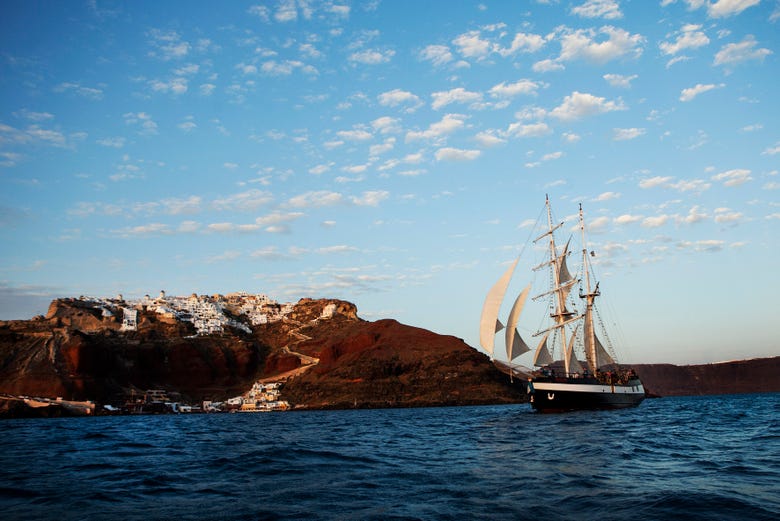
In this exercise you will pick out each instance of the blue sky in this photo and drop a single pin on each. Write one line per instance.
(390, 153)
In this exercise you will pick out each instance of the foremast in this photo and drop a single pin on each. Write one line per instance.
(561, 284)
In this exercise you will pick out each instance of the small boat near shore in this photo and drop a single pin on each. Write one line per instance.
(572, 327)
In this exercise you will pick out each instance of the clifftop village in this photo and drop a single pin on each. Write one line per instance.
(208, 316)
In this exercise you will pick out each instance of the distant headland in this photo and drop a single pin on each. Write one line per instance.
(247, 352)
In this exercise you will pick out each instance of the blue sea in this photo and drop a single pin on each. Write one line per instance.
(693, 458)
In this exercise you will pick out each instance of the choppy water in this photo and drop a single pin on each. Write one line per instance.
(693, 458)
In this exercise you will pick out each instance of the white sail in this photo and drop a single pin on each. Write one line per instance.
(602, 357)
(572, 364)
(512, 336)
(563, 270)
(542, 356)
(489, 324)
(518, 347)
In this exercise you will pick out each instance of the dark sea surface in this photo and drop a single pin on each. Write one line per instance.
(708, 458)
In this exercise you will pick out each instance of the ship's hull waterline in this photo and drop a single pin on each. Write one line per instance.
(564, 396)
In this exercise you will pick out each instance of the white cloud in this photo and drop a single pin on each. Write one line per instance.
(285, 68)
(618, 80)
(655, 222)
(736, 53)
(286, 11)
(386, 125)
(694, 216)
(247, 201)
(471, 45)
(627, 219)
(398, 97)
(448, 124)
(370, 198)
(354, 135)
(522, 42)
(371, 56)
(689, 37)
(772, 150)
(456, 154)
(143, 120)
(321, 169)
(589, 45)
(489, 138)
(207, 89)
(547, 66)
(727, 216)
(607, 196)
(34, 116)
(457, 95)
(504, 90)
(624, 134)
(654, 182)
(113, 142)
(609, 9)
(316, 199)
(578, 105)
(528, 130)
(382, 148)
(437, 54)
(167, 45)
(726, 8)
(690, 93)
(733, 177)
(86, 92)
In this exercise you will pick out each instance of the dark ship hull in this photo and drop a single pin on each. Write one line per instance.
(551, 394)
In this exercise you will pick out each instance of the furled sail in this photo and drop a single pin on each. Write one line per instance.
(542, 356)
(489, 324)
(593, 345)
(515, 346)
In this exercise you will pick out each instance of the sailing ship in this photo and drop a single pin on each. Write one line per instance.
(569, 329)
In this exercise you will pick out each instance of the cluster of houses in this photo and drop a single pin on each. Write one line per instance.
(262, 397)
(206, 313)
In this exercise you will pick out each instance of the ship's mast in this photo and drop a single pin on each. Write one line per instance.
(561, 314)
(590, 297)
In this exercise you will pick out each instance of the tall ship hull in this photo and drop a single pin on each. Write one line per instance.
(574, 356)
(573, 394)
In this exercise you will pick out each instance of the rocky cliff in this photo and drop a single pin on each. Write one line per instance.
(744, 376)
(327, 355)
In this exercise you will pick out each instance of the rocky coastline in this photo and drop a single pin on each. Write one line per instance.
(318, 353)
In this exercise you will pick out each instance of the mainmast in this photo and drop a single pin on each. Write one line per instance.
(590, 297)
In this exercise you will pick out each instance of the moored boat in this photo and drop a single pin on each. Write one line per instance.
(565, 383)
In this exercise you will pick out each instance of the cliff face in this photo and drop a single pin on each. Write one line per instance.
(745, 376)
(77, 353)
(385, 364)
(328, 356)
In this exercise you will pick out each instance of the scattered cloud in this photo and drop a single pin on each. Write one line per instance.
(599, 45)
(625, 134)
(456, 154)
(608, 9)
(618, 80)
(457, 95)
(578, 105)
(690, 93)
(733, 177)
(398, 97)
(737, 53)
(690, 36)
